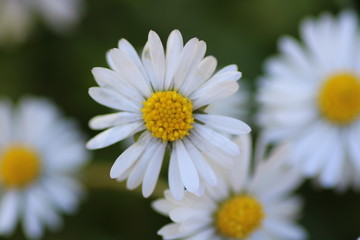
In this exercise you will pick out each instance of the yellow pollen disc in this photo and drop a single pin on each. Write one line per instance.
(339, 98)
(168, 115)
(239, 216)
(19, 166)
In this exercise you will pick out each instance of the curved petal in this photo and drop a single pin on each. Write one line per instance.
(113, 135)
(153, 170)
(9, 211)
(110, 120)
(224, 124)
(110, 79)
(175, 184)
(201, 164)
(217, 139)
(174, 47)
(129, 156)
(188, 172)
(136, 175)
(112, 99)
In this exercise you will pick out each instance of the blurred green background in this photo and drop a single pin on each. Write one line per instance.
(244, 32)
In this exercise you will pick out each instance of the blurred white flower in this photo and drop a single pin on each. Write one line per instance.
(310, 95)
(18, 16)
(40, 155)
(161, 96)
(244, 205)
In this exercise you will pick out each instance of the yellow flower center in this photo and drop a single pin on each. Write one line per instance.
(239, 216)
(339, 98)
(19, 166)
(168, 115)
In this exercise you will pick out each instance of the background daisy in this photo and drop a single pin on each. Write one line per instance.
(245, 205)
(310, 94)
(18, 16)
(40, 155)
(161, 96)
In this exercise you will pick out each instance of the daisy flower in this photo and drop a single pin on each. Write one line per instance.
(17, 16)
(40, 153)
(160, 97)
(310, 95)
(244, 205)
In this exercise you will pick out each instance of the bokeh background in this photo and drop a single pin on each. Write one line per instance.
(244, 32)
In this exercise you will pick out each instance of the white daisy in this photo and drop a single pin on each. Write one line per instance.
(160, 96)
(40, 153)
(310, 95)
(255, 206)
(17, 17)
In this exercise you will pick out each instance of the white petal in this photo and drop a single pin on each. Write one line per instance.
(204, 234)
(163, 206)
(112, 99)
(284, 230)
(316, 161)
(229, 68)
(353, 145)
(109, 79)
(127, 48)
(188, 173)
(35, 118)
(157, 59)
(211, 151)
(171, 231)
(201, 74)
(187, 213)
(205, 96)
(137, 173)
(217, 139)
(240, 173)
(113, 119)
(128, 69)
(192, 226)
(260, 234)
(174, 47)
(291, 48)
(113, 135)
(201, 164)
(307, 140)
(193, 76)
(9, 212)
(287, 208)
(191, 54)
(331, 174)
(153, 170)
(175, 184)
(31, 220)
(63, 192)
(218, 79)
(129, 156)
(224, 124)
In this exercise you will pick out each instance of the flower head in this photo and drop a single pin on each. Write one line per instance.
(161, 96)
(40, 154)
(310, 95)
(244, 205)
